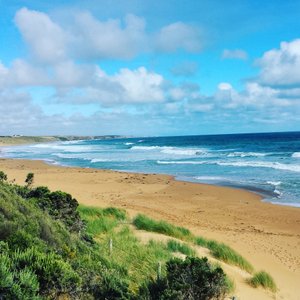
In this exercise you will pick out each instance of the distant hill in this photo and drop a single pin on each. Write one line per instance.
(19, 139)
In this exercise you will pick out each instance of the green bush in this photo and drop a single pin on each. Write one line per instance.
(3, 176)
(193, 278)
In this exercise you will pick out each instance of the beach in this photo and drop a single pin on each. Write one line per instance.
(267, 235)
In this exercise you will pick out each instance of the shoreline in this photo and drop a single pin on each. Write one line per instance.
(252, 189)
(267, 235)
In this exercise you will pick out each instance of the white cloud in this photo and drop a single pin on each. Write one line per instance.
(21, 73)
(281, 67)
(179, 36)
(89, 38)
(109, 39)
(69, 74)
(234, 54)
(140, 85)
(46, 39)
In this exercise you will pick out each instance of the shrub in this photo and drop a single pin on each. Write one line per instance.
(3, 176)
(193, 278)
(29, 179)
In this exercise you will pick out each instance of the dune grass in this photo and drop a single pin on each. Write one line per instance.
(89, 212)
(142, 222)
(264, 280)
(140, 261)
(228, 255)
(183, 248)
(101, 220)
(218, 250)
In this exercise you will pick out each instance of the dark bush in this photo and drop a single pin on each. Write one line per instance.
(193, 278)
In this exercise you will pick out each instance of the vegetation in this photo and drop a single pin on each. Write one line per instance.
(228, 255)
(218, 250)
(50, 247)
(183, 248)
(144, 223)
(3, 176)
(29, 179)
(264, 280)
(193, 278)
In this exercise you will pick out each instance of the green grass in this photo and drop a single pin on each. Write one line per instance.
(183, 248)
(144, 223)
(101, 220)
(79, 263)
(224, 253)
(90, 212)
(218, 250)
(228, 255)
(264, 280)
(128, 253)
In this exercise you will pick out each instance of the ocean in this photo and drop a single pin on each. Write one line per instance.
(266, 163)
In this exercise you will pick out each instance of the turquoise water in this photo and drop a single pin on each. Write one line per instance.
(268, 164)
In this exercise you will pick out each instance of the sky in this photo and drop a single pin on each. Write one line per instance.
(149, 68)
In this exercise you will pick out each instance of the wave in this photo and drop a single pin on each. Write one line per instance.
(178, 162)
(70, 156)
(260, 164)
(254, 164)
(147, 148)
(188, 152)
(275, 183)
(247, 154)
(172, 150)
(95, 160)
(212, 178)
(296, 155)
(128, 144)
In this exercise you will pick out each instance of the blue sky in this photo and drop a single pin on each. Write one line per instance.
(134, 67)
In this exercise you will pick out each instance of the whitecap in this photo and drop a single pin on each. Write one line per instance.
(259, 164)
(177, 162)
(296, 155)
(247, 154)
(275, 183)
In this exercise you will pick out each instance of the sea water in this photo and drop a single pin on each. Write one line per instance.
(266, 163)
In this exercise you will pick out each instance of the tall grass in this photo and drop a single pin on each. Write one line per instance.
(144, 223)
(90, 212)
(128, 253)
(183, 248)
(264, 280)
(228, 255)
(218, 250)
(101, 220)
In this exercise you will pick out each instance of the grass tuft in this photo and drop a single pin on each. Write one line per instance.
(90, 212)
(144, 223)
(228, 255)
(264, 280)
(183, 248)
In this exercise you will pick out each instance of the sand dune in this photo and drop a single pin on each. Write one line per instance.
(267, 235)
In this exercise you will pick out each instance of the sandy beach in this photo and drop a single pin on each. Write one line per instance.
(267, 235)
